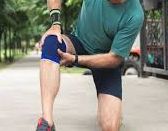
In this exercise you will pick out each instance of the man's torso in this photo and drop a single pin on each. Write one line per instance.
(100, 20)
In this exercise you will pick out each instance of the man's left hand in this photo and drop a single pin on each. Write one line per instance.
(66, 58)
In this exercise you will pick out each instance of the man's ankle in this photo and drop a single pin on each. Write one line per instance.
(49, 120)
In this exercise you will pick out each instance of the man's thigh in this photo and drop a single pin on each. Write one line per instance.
(74, 45)
(69, 44)
(108, 81)
(109, 110)
(109, 90)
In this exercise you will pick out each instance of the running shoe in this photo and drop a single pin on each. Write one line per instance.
(44, 126)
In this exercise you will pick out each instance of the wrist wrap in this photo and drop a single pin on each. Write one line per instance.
(55, 15)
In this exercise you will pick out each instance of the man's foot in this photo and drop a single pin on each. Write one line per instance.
(44, 126)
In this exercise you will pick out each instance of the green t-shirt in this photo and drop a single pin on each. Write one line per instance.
(103, 26)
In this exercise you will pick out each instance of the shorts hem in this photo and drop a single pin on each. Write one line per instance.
(117, 96)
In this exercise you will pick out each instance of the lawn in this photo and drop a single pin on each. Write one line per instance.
(4, 64)
(73, 70)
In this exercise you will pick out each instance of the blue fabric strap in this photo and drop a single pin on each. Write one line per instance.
(49, 49)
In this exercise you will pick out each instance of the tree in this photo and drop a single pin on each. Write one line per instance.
(26, 20)
(70, 11)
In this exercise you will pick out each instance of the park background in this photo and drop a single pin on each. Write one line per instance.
(22, 22)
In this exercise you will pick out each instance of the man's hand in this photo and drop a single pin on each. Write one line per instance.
(54, 30)
(66, 58)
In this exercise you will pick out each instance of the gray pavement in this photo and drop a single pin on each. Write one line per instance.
(145, 101)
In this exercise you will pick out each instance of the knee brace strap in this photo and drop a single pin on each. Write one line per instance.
(49, 49)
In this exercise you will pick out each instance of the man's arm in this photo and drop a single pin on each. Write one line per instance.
(54, 4)
(54, 29)
(107, 60)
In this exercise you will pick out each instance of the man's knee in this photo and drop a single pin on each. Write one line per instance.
(109, 124)
(49, 49)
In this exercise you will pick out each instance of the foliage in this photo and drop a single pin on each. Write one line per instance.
(27, 20)
(31, 17)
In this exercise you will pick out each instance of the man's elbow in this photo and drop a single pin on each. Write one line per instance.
(116, 60)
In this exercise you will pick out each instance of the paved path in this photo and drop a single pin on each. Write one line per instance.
(145, 104)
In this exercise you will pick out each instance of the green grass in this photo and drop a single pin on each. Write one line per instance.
(3, 65)
(6, 64)
(73, 70)
(19, 56)
(8, 53)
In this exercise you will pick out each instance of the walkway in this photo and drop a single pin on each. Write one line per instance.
(145, 102)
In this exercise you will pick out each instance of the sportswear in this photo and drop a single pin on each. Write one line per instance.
(103, 26)
(44, 126)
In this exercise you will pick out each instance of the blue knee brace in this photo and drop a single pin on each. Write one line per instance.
(49, 49)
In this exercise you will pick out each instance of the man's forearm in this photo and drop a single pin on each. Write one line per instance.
(54, 4)
(108, 60)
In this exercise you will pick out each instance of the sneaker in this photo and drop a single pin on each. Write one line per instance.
(44, 126)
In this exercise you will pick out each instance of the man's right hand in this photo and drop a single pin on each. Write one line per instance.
(54, 30)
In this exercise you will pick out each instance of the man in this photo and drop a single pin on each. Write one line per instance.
(105, 32)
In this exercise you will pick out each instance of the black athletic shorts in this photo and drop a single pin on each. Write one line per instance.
(107, 81)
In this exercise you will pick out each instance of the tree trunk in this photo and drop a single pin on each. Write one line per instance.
(5, 45)
(27, 45)
(14, 44)
(65, 28)
(10, 45)
(0, 47)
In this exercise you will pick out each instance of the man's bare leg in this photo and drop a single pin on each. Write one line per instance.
(50, 82)
(109, 112)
